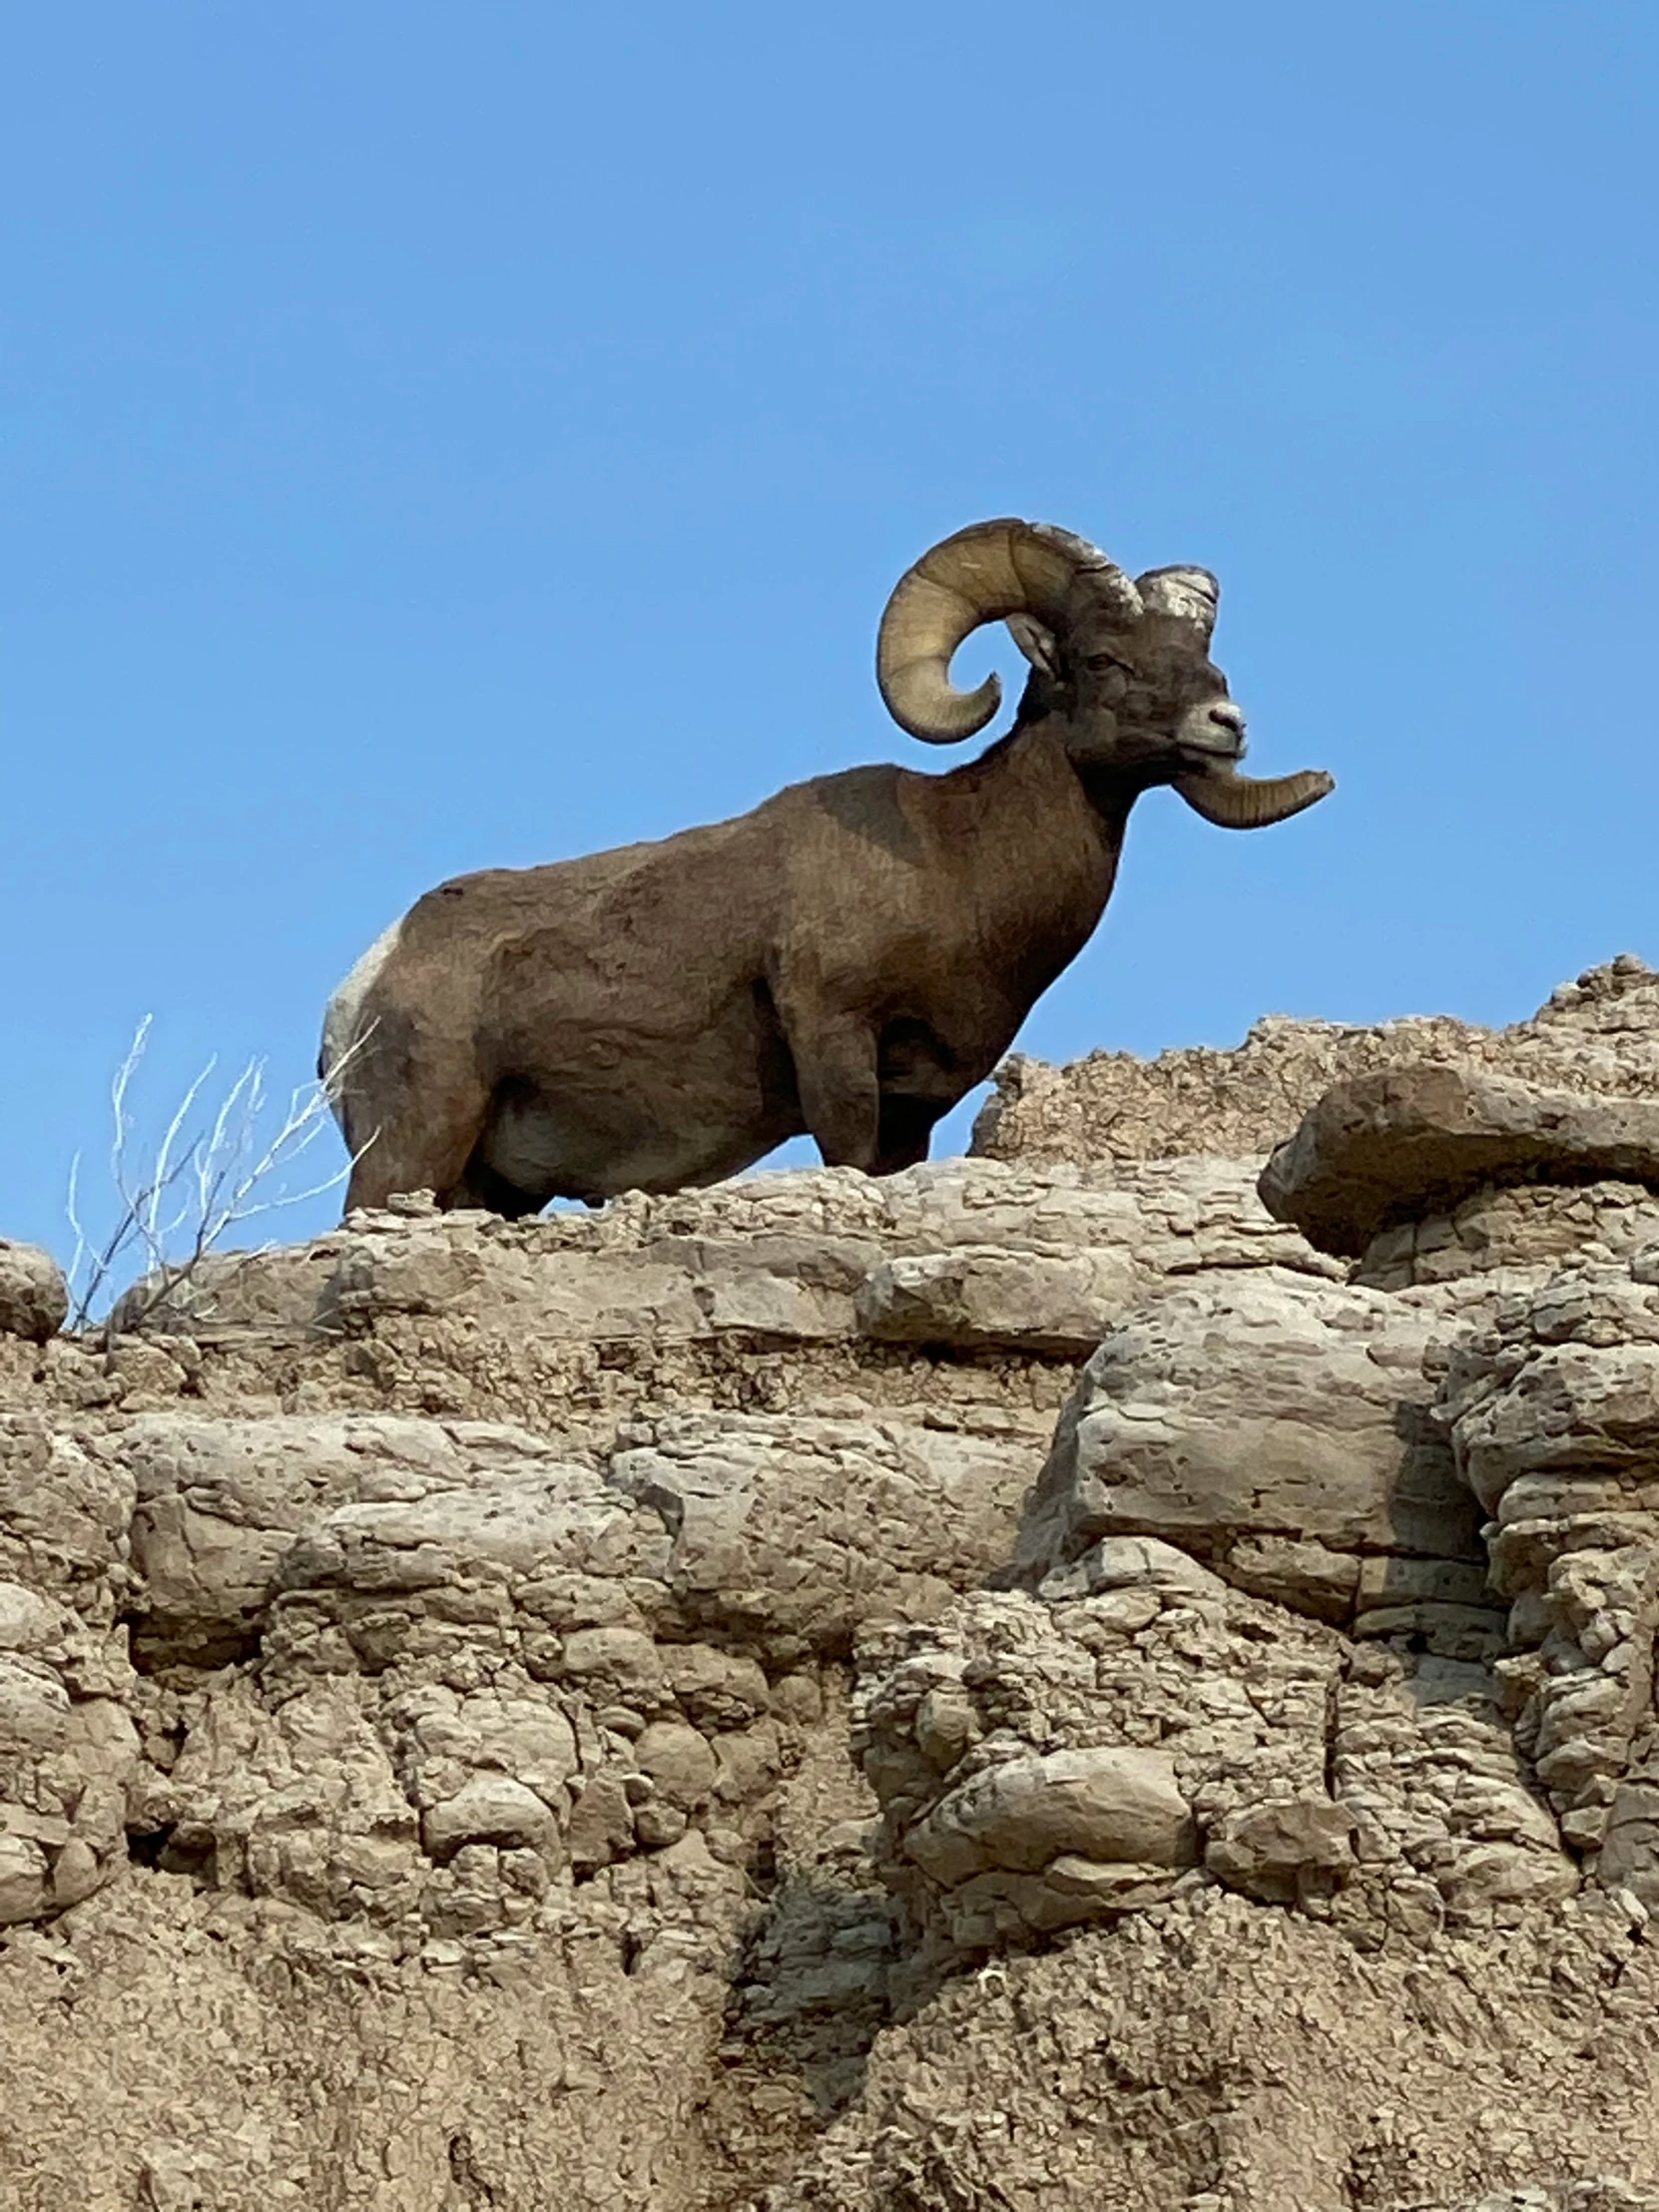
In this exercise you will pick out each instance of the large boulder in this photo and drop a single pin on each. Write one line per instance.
(1414, 1141)
(1278, 1426)
(34, 1296)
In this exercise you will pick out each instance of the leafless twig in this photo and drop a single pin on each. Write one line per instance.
(211, 1172)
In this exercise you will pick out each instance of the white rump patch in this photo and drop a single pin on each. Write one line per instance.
(341, 1016)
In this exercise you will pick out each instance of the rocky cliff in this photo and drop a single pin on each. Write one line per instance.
(1035, 1682)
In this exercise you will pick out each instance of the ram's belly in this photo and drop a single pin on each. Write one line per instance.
(599, 1110)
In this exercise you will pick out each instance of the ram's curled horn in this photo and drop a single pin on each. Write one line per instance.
(979, 575)
(1234, 802)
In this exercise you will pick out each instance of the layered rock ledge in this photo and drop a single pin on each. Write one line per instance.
(1027, 1683)
(1599, 1035)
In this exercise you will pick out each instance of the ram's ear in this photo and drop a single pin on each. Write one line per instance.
(1036, 641)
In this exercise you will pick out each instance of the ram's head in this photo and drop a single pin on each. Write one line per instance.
(1120, 665)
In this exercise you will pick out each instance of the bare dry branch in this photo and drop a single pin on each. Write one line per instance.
(223, 1170)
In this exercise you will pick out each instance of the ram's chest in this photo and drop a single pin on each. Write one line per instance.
(1038, 906)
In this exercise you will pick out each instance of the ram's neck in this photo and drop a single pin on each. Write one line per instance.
(1041, 846)
(1041, 768)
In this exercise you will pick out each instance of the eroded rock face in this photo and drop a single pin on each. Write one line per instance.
(1409, 1143)
(1517, 1228)
(1554, 1414)
(68, 1754)
(472, 1668)
(1218, 2052)
(826, 1265)
(1599, 1035)
(69, 1750)
(1380, 1785)
(1278, 1428)
(429, 1664)
(790, 1533)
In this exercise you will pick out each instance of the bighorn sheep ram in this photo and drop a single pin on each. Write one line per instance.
(848, 960)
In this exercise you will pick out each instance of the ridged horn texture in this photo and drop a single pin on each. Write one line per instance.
(1186, 595)
(981, 574)
(1234, 802)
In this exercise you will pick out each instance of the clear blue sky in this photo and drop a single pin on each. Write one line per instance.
(444, 438)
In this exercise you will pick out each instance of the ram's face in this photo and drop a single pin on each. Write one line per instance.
(1134, 685)
(1122, 672)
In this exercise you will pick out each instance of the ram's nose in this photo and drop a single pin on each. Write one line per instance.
(1228, 723)
(1215, 732)
(1212, 730)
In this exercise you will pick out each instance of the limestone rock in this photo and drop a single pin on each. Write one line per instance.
(229, 1512)
(1381, 1784)
(1106, 1802)
(1553, 1410)
(1599, 1035)
(1132, 1563)
(506, 1598)
(271, 1294)
(1407, 1143)
(1527, 1227)
(66, 1508)
(69, 1754)
(792, 1534)
(980, 1295)
(1310, 1577)
(490, 1809)
(1217, 2053)
(34, 1297)
(970, 1254)
(1285, 1850)
(1009, 1824)
(1594, 2194)
(1256, 1410)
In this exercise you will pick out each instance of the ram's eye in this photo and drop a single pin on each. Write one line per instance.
(1100, 661)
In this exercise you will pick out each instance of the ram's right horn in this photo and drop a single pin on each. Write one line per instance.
(980, 574)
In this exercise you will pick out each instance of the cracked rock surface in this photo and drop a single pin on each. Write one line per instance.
(1408, 1142)
(1021, 1685)
(1599, 1035)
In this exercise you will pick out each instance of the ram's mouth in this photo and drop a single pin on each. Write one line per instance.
(1225, 745)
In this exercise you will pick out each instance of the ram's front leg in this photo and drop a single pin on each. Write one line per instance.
(412, 1107)
(841, 1099)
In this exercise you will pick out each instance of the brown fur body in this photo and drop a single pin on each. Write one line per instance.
(845, 961)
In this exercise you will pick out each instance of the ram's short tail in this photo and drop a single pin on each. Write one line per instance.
(342, 1023)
